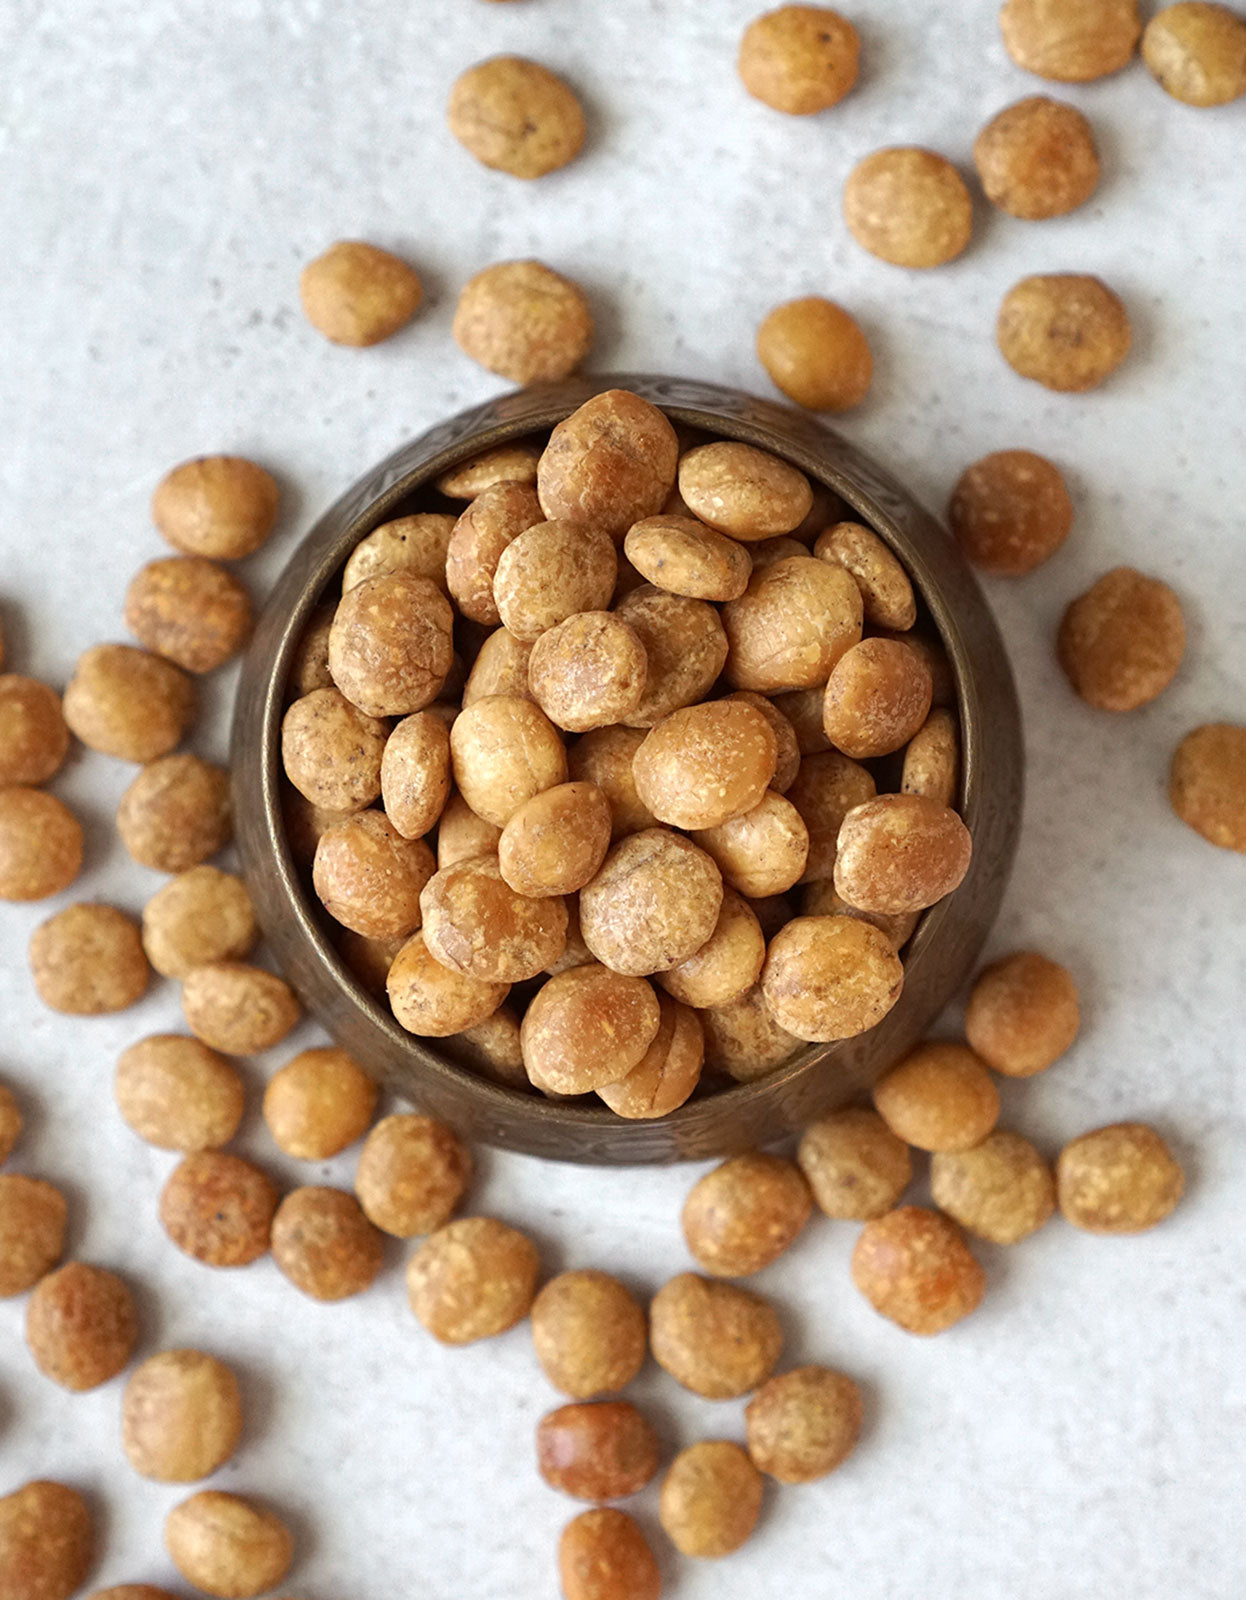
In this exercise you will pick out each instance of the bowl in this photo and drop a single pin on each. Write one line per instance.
(938, 958)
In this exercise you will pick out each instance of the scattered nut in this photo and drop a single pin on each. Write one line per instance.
(1010, 512)
(589, 1333)
(318, 1104)
(88, 960)
(40, 845)
(524, 321)
(744, 1214)
(238, 1009)
(597, 1450)
(516, 116)
(1207, 783)
(177, 1094)
(603, 1555)
(938, 1097)
(1118, 1179)
(855, 1166)
(189, 610)
(1037, 159)
(1073, 41)
(711, 1499)
(472, 1279)
(1197, 52)
(799, 59)
(229, 1547)
(804, 1423)
(32, 1231)
(1121, 642)
(128, 703)
(1023, 1014)
(908, 206)
(10, 1122)
(200, 916)
(356, 294)
(1065, 331)
(81, 1326)
(669, 1070)
(34, 739)
(176, 813)
(413, 1172)
(914, 1266)
(181, 1416)
(221, 507)
(1002, 1190)
(47, 1542)
(714, 1338)
(219, 1209)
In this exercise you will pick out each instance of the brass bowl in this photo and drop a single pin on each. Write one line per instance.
(938, 958)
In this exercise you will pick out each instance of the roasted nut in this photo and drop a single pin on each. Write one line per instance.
(1037, 158)
(1002, 1189)
(1023, 1014)
(431, 1001)
(763, 852)
(830, 977)
(654, 903)
(900, 852)
(176, 813)
(804, 1423)
(743, 1039)
(505, 750)
(177, 1094)
(704, 764)
(47, 1542)
(181, 1416)
(603, 757)
(855, 1166)
(669, 1070)
(603, 1555)
(493, 1050)
(356, 294)
(799, 59)
(877, 697)
(589, 1333)
(238, 1009)
(1118, 1179)
(744, 1214)
(417, 544)
(597, 1450)
(914, 1266)
(413, 1172)
(550, 572)
(190, 611)
(908, 206)
(331, 751)
(501, 667)
(714, 1338)
(516, 116)
(461, 834)
(1207, 783)
(742, 491)
(320, 1102)
(931, 650)
(40, 845)
(787, 764)
(222, 507)
(1121, 642)
(370, 878)
(81, 1326)
(1065, 331)
(415, 774)
(791, 625)
(1072, 41)
(227, 1546)
(685, 649)
(711, 1499)
(128, 703)
(609, 464)
(683, 556)
(827, 787)
(34, 739)
(589, 671)
(932, 759)
(1010, 512)
(727, 965)
(476, 924)
(524, 321)
(1197, 52)
(886, 593)
(32, 1231)
(323, 1243)
(219, 1209)
(556, 842)
(938, 1097)
(506, 463)
(499, 514)
(88, 960)
(390, 646)
(10, 1122)
(588, 1027)
(472, 1279)
(817, 353)
(200, 916)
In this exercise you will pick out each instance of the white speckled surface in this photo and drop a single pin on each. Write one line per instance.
(165, 168)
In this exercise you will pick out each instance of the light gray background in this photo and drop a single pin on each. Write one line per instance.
(165, 169)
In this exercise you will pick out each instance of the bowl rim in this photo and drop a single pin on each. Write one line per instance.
(938, 956)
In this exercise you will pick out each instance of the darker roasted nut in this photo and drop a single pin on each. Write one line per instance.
(597, 1450)
(370, 878)
(10, 1122)
(714, 1338)
(609, 464)
(88, 960)
(32, 1231)
(219, 1209)
(900, 852)
(323, 1243)
(476, 924)
(877, 697)
(332, 751)
(1065, 331)
(744, 1214)
(128, 703)
(1010, 512)
(190, 611)
(391, 645)
(908, 206)
(221, 507)
(855, 1166)
(176, 813)
(804, 1423)
(524, 321)
(356, 294)
(1118, 1179)
(516, 116)
(603, 1555)
(1001, 1190)
(589, 1333)
(81, 1326)
(40, 845)
(938, 1097)
(1207, 783)
(1037, 158)
(238, 1009)
(914, 1266)
(1121, 642)
(588, 1027)
(472, 1279)
(654, 903)
(413, 1172)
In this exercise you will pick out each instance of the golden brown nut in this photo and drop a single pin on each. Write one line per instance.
(222, 507)
(499, 514)
(501, 667)
(1037, 158)
(609, 464)
(356, 294)
(763, 852)
(416, 544)
(1066, 331)
(413, 1172)
(938, 1097)
(415, 774)
(431, 1001)
(654, 903)
(703, 764)
(189, 610)
(714, 1338)
(1118, 1179)
(1010, 512)
(597, 1450)
(516, 116)
(742, 491)
(237, 1008)
(683, 556)
(476, 924)
(34, 739)
(914, 1266)
(787, 763)
(323, 1243)
(320, 1102)
(1121, 642)
(391, 645)
(177, 1094)
(176, 813)
(47, 1541)
(1002, 1190)
(791, 625)
(711, 1499)
(1072, 41)
(200, 916)
(556, 842)
(743, 1039)
(588, 1027)
(799, 59)
(40, 845)
(589, 1333)
(767, 551)
(908, 206)
(493, 1050)
(589, 671)
(1197, 52)
(744, 1214)
(827, 787)
(181, 1416)
(855, 1166)
(219, 1209)
(461, 834)
(472, 1279)
(930, 648)
(685, 649)
(132, 1591)
(804, 1423)
(727, 965)
(932, 759)
(669, 1070)
(603, 757)
(900, 852)
(603, 1555)
(830, 977)
(370, 878)
(128, 703)
(817, 353)
(886, 593)
(226, 1546)
(506, 463)
(524, 321)
(550, 572)
(81, 1326)
(32, 1231)
(505, 750)
(877, 697)
(1023, 1014)
(10, 1122)
(88, 960)
(332, 751)
(1207, 783)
